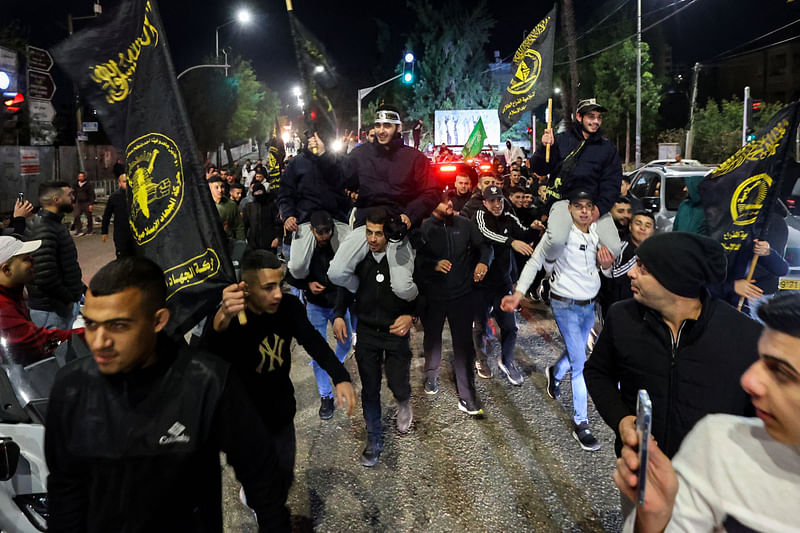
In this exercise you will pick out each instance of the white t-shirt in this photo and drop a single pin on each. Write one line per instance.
(731, 473)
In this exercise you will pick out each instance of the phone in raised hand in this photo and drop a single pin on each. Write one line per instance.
(644, 420)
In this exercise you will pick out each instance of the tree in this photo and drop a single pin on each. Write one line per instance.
(615, 88)
(718, 128)
(210, 100)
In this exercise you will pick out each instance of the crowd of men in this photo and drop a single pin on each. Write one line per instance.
(370, 242)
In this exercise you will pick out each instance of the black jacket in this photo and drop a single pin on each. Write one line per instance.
(398, 178)
(85, 194)
(696, 375)
(459, 201)
(139, 451)
(457, 240)
(262, 222)
(117, 207)
(333, 296)
(598, 170)
(500, 232)
(472, 206)
(376, 306)
(56, 284)
(305, 188)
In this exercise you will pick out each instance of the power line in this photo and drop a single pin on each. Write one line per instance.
(590, 30)
(754, 40)
(726, 58)
(587, 56)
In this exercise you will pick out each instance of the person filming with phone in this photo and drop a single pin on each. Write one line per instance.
(686, 348)
(731, 473)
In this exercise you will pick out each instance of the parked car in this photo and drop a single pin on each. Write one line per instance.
(661, 188)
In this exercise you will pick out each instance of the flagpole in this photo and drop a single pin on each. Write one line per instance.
(749, 278)
(549, 127)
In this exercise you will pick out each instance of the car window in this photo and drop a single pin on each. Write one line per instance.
(674, 193)
(646, 185)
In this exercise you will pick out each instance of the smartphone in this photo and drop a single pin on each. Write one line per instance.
(644, 420)
(21, 196)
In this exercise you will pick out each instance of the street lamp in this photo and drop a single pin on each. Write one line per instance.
(243, 16)
(297, 91)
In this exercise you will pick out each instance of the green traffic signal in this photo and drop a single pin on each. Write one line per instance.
(408, 68)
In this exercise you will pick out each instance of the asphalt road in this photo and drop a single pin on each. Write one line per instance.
(518, 469)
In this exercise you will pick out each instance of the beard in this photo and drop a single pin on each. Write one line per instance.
(66, 208)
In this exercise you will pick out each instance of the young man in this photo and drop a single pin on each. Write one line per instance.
(322, 298)
(580, 159)
(227, 209)
(84, 202)
(24, 342)
(261, 351)
(391, 175)
(670, 339)
(56, 288)
(117, 208)
(621, 213)
(448, 248)
(383, 325)
(732, 473)
(475, 203)
(134, 433)
(574, 285)
(462, 192)
(505, 233)
(262, 223)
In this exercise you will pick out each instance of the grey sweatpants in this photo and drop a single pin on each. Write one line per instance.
(353, 249)
(303, 244)
(559, 222)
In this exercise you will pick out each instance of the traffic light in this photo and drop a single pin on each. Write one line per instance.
(13, 102)
(753, 108)
(408, 68)
(529, 130)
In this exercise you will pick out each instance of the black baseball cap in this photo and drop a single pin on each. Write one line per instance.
(579, 194)
(321, 221)
(492, 193)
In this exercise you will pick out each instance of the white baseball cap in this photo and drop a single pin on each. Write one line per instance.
(12, 247)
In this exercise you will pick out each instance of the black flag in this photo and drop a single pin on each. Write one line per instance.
(739, 194)
(123, 69)
(532, 81)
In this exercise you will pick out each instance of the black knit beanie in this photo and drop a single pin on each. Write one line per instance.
(684, 263)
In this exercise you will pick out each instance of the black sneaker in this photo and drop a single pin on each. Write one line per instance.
(543, 292)
(470, 407)
(326, 408)
(553, 390)
(483, 369)
(512, 372)
(431, 386)
(371, 453)
(584, 436)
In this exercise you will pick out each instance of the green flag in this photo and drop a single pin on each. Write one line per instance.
(475, 141)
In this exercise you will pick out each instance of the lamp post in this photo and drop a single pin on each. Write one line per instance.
(364, 92)
(638, 82)
(243, 16)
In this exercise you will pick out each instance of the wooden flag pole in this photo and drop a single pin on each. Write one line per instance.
(749, 277)
(549, 127)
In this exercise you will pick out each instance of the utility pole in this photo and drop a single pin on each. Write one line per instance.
(690, 134)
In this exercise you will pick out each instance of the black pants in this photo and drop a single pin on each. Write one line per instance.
(371, 348)
(487, 303)
(82, 209)
(285, 443)
(459, 314)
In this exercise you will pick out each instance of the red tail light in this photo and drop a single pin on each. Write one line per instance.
(448, 168)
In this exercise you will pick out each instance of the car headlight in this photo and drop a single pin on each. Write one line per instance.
(34, 507)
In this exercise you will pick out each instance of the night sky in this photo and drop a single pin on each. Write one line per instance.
(699, 32)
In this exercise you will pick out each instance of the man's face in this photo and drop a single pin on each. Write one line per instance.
(581, 212)
(517, 199)
(444, 209)
(494, 206)
(81, 177)
(642, 228)
(773, 383)
(236, 194)
(64, 200)
(646, 288)
(323, 238)
(485, 181)
(624, 187)
(121, 330)
(385, 132)
(123, 181)
(621, 213)
(515, 176)
(264, 289)
(260, 177)
(376, 239)
(371, 135)
(224, 174)
(462, 184)
(590, 121)
(19, 270)
(230, 178)
(216, 191)
(527, 200)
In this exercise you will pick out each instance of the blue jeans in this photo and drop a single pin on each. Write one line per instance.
(319, 318)
(575, 323)
(51, 319)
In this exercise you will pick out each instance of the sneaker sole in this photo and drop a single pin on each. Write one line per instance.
(547, 373)
(461, 407)
(586, 448)
(432, 392)
(482, 374)
(508, 375)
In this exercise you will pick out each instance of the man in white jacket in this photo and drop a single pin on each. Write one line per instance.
(732, 473)
(574, 285)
